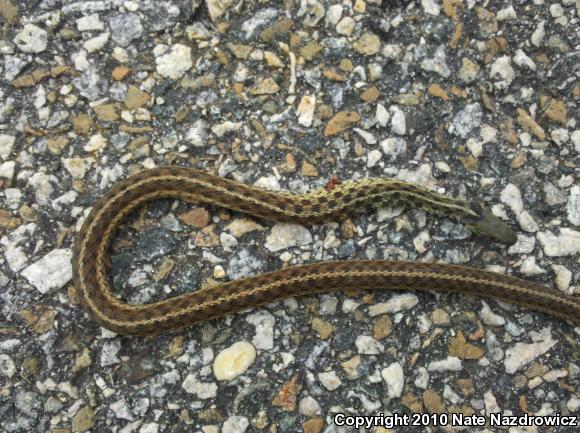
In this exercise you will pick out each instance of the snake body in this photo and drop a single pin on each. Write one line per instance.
(91, 263)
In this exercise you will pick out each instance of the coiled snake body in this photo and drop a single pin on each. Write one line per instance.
(90, 260)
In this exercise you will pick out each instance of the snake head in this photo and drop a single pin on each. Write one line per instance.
(488, 225)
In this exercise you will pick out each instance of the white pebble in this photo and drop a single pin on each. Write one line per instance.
(234, 360)
(394, 378)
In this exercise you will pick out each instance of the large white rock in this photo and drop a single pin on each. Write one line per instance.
(566, 243)
(52, 271)
(286, 235)
(394, 378)
(31, 39)
(175, 63)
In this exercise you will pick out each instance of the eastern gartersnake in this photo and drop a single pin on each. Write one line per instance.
(90, 261)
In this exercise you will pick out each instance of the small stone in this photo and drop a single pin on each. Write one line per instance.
(273, 60)
(538, 34)
(394, 378)
(287, 395)
(285, 235)
(7, 368)
(341, 122)
(310, 51)
(522, 354)
(371, 94)
(433, 401)
(333, 14)
(529, 124)
(398, 120)
(394, 148)
(373, 157)
(279, 28)
(6, 145)
(437, 91)
(573, 206)
(308, 406)
(216, 8)
(265, 87)
(452, 363)
(203, 390)
(240, 226)
(346, 26)
(234, 361)
(440, 317)
(405, 301)
(90, 23)
(107, 112)
(82, 124)
(368, 345)
(324, 329)
(197, 134)
(305, 111)
(563, 277)
(120, 72)
(175, 63)
(329, 380)
(78, 167)
(96, 142)
(567, 243)
(382, 116)
(313, 425)
(206, 237)
(466, 120)
(368, 44)
(460, 348)
(125, 28)
(489, 318)
(53, 271)
(97, 43)
(469, 70)
(31, 39)
(382, 327)
(198, 218)
(556, 111)
(502, 69)
(83, 420)
(135, 98)
(235, 424)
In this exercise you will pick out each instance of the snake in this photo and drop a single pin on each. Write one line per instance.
(91, 261)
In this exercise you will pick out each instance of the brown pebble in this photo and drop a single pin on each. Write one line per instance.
(135, 98)
(313, 425)
(198, 218)
(288, 394)
(433, 401)
(460, 348)
(371, 94)
(382, 327)
(120, 72)
(206, 237)
(341, 122)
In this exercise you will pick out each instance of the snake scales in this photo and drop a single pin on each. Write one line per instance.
(91, 264)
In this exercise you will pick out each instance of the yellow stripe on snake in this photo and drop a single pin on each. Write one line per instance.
(91, 262)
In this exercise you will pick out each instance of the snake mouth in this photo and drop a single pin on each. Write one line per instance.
(488, 225)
